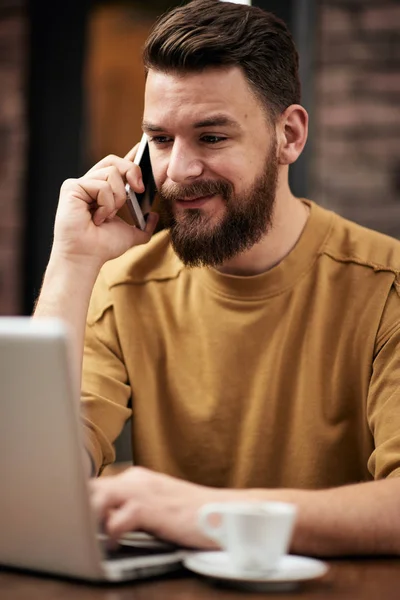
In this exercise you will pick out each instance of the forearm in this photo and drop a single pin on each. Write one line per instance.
(65, 293)
(355, 519)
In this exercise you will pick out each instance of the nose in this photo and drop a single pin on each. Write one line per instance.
(183, 164)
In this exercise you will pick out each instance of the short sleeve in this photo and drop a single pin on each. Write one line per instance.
(105, 388)
(383, 408)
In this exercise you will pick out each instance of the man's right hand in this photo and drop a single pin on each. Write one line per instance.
(86, 227)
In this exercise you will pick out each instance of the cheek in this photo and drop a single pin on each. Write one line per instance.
(239, 168)
(232, 169)
(240, 175)
(159, 172)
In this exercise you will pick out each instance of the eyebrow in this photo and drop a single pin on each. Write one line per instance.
(214, 121)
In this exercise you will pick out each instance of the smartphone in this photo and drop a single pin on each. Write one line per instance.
(139, 203)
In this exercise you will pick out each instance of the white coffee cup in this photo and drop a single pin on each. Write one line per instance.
(256, 535)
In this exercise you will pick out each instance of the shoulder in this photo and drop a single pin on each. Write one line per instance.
(349, 242)
(155, 260)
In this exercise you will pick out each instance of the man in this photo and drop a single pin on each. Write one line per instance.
(258, 336)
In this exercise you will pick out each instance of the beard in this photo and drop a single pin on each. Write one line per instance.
(197, 240)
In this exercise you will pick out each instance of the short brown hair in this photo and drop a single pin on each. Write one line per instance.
(210, 33)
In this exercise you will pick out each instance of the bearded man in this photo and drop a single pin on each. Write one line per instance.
(257, 336)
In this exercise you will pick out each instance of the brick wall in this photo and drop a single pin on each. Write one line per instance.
(356, 165)
(12, 150)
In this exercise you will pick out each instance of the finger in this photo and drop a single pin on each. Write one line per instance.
(135, 179)
(121, 164)
(132, 152)
(126, 518)
(97, 192)
(104, 500)
(101, 196)
(114, 178)
(151, 223)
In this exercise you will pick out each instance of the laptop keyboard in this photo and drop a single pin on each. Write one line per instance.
(123, 551)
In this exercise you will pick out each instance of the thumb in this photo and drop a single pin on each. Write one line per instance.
(124, 518)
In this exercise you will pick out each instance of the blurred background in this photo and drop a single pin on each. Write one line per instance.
(71, 92)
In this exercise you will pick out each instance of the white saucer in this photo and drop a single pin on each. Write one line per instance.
(290, 569)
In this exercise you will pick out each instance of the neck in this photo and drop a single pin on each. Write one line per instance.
(289, 219)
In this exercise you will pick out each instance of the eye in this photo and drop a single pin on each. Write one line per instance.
(213, 139)
(160, 140)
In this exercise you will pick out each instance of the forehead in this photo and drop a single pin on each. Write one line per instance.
(172, 97)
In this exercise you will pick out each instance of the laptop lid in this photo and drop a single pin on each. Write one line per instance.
(45, 518)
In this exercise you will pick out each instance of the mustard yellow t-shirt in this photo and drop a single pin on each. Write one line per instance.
(290, 378)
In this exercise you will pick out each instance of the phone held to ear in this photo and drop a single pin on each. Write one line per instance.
(139, 203)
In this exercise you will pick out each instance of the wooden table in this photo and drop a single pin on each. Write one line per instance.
(363, 579)
(347, 579)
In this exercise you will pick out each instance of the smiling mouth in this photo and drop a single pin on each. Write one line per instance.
(194, 202)
(194, 199)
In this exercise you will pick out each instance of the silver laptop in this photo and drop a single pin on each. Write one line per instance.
(46, 523)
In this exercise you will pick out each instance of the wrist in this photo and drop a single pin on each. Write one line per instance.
(67, 286)
(73, 265)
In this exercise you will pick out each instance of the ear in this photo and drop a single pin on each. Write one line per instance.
(292, 130)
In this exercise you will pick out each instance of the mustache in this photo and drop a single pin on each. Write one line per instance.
(207, 187)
